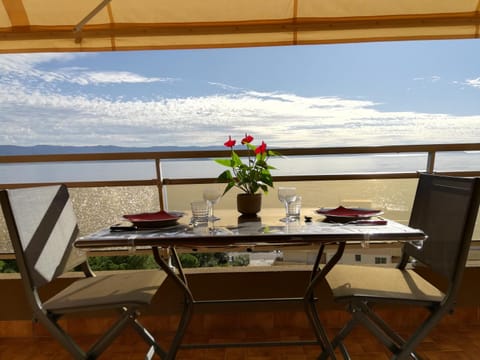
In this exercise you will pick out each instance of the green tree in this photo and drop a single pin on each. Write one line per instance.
(133, 262)
(8, 266)
(212, 259)
(189, 260)
(241, 260)
(127, 262)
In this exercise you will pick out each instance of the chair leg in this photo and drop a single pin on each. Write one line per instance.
(344, 351)
(111, 334)
(338, 340)
(362, 313)
(378, 331)
(62, 337)
(127, 317)
(401, 348)
(416, 338)
(378, 321)
(149, 339)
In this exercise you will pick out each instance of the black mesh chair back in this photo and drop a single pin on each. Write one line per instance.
(445, 208)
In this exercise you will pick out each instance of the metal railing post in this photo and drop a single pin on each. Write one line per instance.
(159, 180)
(431, 162)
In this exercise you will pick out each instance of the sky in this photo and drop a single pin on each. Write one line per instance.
(385, 93)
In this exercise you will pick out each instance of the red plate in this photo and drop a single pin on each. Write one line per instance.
(343, 214)
(152, 220)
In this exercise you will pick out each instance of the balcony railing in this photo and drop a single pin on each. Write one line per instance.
(159, 179)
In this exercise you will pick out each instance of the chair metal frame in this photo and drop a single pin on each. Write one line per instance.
(60, 211)
(361, 305)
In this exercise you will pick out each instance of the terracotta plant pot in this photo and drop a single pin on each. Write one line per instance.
(249, 204)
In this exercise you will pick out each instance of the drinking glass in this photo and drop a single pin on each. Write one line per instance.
(295, 208)
(200, 211)
(212, 196)
(287, 195)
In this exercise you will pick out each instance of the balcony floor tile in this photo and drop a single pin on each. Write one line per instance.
(445, 342)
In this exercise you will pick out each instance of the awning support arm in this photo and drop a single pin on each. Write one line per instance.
(78, 29)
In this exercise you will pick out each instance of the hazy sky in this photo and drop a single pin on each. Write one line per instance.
(353, 94)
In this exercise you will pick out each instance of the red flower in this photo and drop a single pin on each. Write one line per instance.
(252, 175)
(230, 143)
(247, 139)
(261, 149)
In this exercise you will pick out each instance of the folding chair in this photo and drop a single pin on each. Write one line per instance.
(42, 227)
(445, 208)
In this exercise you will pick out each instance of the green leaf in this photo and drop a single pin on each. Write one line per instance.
(236, 160)
(224, 162)
(228, 187)
(262, 163)
(225, 176)
(273, 153)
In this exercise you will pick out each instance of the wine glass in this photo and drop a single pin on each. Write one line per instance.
(212, 196)
(287, 195)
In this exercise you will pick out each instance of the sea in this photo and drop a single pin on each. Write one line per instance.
(96, 207)
(205, 168)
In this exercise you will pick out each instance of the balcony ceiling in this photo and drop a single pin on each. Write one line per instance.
(96, 25)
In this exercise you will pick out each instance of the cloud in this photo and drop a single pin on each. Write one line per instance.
(473, 82)
(45, 111)
(38, 118)
(223, 86)
(433, 78)
(24, 66)
(81, 77)
(22, 62)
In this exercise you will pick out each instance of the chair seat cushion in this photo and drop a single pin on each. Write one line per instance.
(377, 283)
(107, 291)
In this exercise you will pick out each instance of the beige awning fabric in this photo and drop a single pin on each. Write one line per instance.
(107, 25)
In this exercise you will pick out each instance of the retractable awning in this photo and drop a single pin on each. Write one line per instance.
(96, 25)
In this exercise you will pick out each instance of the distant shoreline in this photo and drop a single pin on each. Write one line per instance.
(58, 149)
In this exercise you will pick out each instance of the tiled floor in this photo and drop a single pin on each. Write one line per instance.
(459, 343)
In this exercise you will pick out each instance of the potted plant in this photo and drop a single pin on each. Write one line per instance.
(251, 176)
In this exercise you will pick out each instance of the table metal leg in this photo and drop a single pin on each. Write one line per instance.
(310, 300)
(181, 280)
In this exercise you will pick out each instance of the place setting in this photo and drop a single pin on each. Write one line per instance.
(158, 220)
(351, 215)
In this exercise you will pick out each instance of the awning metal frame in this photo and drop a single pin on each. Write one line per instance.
(77, 30)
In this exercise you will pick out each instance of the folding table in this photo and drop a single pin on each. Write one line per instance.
(258, 232)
